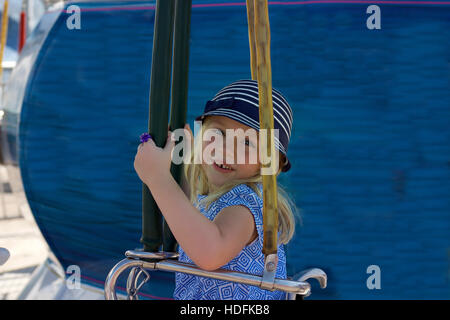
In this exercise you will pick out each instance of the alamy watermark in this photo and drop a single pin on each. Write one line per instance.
(73, 281)
(374, 20)
(374, 280)
(74, 20)
(227, 147)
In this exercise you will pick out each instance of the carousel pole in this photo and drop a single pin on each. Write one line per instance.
(251, 37)
(264, 73)
(259, 40)
(158, 114)
(178, 107)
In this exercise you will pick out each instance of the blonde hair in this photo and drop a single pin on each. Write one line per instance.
(198, 185)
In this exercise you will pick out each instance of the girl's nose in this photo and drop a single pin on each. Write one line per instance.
(230, 152)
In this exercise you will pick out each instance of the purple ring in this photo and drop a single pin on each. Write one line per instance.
(145, 136)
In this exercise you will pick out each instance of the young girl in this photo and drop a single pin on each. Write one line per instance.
(217, 217)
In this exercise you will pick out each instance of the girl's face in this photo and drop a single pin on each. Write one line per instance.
(217, 154)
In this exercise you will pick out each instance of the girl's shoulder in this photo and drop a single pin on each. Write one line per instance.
(242, 192)
(242, 195)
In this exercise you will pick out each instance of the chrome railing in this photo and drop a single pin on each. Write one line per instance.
(139, 262)
(4, 255)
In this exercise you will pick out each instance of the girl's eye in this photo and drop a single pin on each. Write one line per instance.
(218, 131)
(215, 131)
(248, 143)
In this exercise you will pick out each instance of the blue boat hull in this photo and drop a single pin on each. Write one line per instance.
(370, 147)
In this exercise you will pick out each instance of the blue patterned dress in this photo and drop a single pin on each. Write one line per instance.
(250, 260)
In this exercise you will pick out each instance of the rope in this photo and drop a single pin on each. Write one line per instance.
(4, 35)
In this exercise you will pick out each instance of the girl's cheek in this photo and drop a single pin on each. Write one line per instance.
(252, 155)
(211, 150)
(206, 155)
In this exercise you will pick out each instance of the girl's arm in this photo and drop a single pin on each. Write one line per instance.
(210, 244)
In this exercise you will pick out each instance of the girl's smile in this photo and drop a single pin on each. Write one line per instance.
(222, 168)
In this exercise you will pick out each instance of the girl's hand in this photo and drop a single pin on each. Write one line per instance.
(153, 163)
(191, 135)
(188, 128)
(184, 182)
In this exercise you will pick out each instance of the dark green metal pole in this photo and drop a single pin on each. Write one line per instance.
(158, 113)
(178, 107)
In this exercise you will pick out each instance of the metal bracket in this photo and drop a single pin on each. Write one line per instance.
(150, 256)
(270, 268)
(132, 282)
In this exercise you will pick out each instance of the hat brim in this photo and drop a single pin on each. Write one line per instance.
(287, 166)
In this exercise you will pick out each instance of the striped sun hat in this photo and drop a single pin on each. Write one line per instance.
(240, 101)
